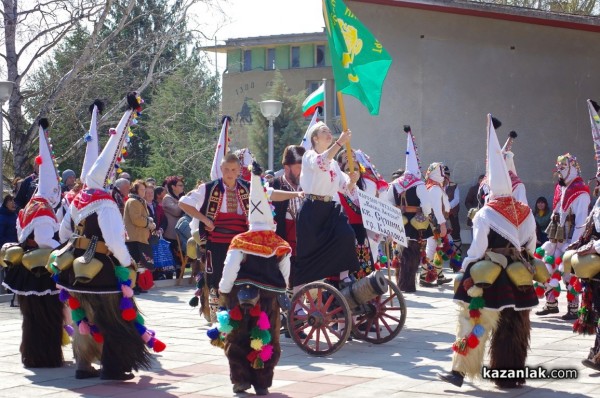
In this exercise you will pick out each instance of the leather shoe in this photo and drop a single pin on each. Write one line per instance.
(116, 376)
(261, 391)
(547, 310)
(591, 364)
(453, 377)
(569, 316)
(241, 387)
(86, 374)
(423, 283)
(443, 280)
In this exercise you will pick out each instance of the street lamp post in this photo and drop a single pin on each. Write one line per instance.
(5, 90)
(270, 110)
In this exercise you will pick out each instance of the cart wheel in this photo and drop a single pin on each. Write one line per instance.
(384, 318)
(321, 312)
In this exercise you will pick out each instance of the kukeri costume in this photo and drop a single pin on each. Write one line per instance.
(570, 209)
(98, 280)
(432, 271)
(496, 291)
(408, 192)
(256, 270)
(37, 232)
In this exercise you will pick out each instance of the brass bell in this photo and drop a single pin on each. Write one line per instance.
(63, 261)
(191, 249)
(541, 274)
(551, 230)
(587, 266)
(85, 272)
(566, 260)
(519, 274)
(485, 273)
(560, 233)
(36, 258)
(404, 220)
(11, 254)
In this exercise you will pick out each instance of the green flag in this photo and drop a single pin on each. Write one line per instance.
(360, 63)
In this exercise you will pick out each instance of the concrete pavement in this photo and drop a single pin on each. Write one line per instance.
(405, 367)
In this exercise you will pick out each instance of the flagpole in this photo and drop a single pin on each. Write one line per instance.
(325, 101)
(344, 128)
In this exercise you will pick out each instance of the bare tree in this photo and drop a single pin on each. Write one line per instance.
(32, 33)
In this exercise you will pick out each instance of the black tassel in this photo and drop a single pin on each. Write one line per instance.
(512, 134)
(194, 301)
(226, 117)
(407, 128)
(256, 169)
(132, 102)
(496, 123)
(99, 104)
(44, 123)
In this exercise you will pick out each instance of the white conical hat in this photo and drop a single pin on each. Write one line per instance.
(49, 181)
(91, 139)
(221, 150)
(412, 157)
(497, 176)
(103, 169)
(260, 216)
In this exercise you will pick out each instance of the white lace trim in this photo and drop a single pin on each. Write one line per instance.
(517, 236)
(22, 234)
(30, 292)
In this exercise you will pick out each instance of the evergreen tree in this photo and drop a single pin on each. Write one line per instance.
(289, 126)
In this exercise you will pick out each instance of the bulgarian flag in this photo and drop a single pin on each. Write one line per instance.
(317, 98)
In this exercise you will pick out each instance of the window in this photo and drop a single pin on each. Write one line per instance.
(295, 57)
(270, 59)
(247, 60)
(313, 85)
(320, 56)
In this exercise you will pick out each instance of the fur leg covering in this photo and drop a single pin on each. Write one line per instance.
(510, 343)
(213, 304)
(41, 343)
(85, 349)
(237, 343)
(123, 349)
(595, 350)
(471, 363)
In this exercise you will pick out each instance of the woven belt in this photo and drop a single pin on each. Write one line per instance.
(83, 243)
(321, 198)
(410, 209)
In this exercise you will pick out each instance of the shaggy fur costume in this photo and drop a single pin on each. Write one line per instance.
(510, 343)
(42, 331)
(470, 364)
(123, 349)
(237, 343)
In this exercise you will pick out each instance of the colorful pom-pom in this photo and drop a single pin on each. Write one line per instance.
(84, 328)
(122, 273)
(194, 301)
(236, 313)
(127, 290)
(266, 352)
(478, 331)
(159, 346)
(256, 344)
(263, 321)
(69, 329)
(472, 341)
(63, 295)
(128, 314)
(474, 313)
(213, 333)
(126, 303)
(38, 160)
(98, 338)
(255, 311)
(476, 303)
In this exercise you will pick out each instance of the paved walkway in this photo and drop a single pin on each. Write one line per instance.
(405, 367)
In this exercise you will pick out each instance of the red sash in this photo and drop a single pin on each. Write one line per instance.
(227, 225)
(290, 234)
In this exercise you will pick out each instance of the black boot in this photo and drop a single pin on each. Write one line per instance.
(549, 308)
(442, 279)
(454, 377)
(571, 314)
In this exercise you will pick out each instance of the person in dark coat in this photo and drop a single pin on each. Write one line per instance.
(8, 220)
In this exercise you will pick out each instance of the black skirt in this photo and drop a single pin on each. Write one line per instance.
(325, 242)
(21, 281)
(502, 294)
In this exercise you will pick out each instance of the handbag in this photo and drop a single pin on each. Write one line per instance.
(163, 257)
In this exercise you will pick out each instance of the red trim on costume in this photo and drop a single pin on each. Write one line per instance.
(431, 183)
(408, 180)
(575, 188)
(88, 196)
(37, 207)
(233, 223)
(260, 243)
(69, 196)
(352, 211)
(512, 210)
